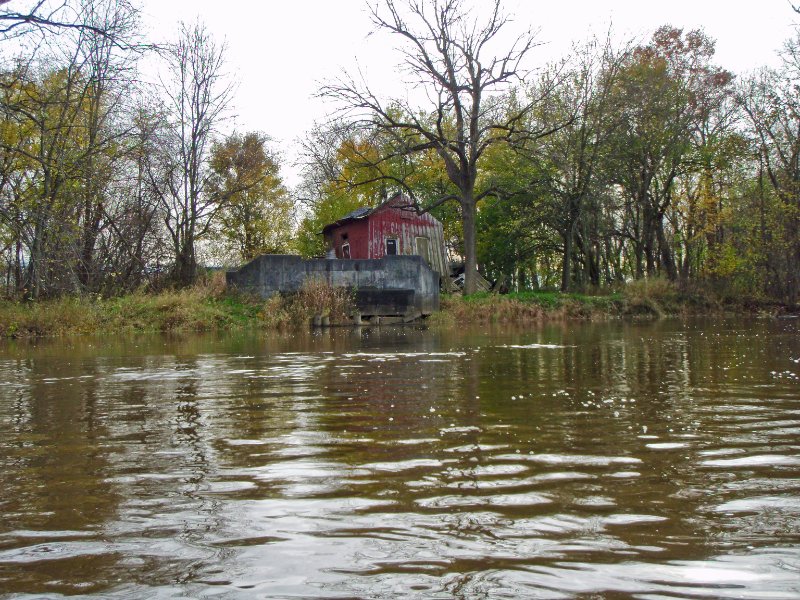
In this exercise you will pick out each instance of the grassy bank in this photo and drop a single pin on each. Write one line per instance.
(200, 308)
(646, 299)
(526, 307)
(208, 306)
(522, 307)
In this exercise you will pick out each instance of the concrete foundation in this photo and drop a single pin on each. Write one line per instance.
(393, 285)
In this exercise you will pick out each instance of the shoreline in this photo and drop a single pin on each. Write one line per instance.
(205, 308)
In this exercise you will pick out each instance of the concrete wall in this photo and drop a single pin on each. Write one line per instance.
(387, 286)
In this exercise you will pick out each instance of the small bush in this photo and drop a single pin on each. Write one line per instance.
(212, 284)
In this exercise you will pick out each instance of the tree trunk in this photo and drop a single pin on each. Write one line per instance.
(650, 250)
(91, 228)
(793, 291)
(572, 216)
(522, 280)
(468, 214)
(566, 265)
(18, 266)
(185, 269)
(667, 261)
(593, 262)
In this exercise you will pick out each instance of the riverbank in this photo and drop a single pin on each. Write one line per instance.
(209, 306)
(655, 299)
(206, 306)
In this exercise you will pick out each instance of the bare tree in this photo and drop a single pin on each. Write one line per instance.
(47, 15)
(197, 95)
(319, 159)
(65, 105)
(132, 242)
(448, 56)
(109, 81)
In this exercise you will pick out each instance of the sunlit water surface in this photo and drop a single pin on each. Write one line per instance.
(656, 460)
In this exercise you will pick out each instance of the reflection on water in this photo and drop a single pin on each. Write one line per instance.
(620, 460)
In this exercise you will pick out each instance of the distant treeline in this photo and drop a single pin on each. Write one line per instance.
(111, 180)
(623, 161)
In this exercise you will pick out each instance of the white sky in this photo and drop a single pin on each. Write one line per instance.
(280, 50)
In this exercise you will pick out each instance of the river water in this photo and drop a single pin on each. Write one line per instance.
(615, 460)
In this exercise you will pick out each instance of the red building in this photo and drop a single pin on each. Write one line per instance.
(391, 228)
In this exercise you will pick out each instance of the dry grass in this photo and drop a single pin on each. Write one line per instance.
(526, 307)
(201, 307)
(55, 317)
(316, 297)
(208, 306)
(491, 309)
(653, 297)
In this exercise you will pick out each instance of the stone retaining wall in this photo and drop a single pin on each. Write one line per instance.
(393, 285)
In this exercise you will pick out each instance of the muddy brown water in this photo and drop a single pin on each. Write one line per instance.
(618, 460)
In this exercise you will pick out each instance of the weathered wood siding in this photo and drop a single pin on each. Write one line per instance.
(391, 222)
(357, 233)
(414, 234)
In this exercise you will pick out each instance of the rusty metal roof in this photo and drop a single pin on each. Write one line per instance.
(354, 215)
(358, 213)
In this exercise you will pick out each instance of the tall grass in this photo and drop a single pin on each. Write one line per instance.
(654, 297)
(51, 317)
(209, 306)
(316, 297)
(526, 307)
(203, 307)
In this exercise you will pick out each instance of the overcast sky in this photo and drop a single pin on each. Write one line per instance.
(280, 50)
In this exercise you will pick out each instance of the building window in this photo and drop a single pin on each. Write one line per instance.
(346, 250)
(391, 247)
